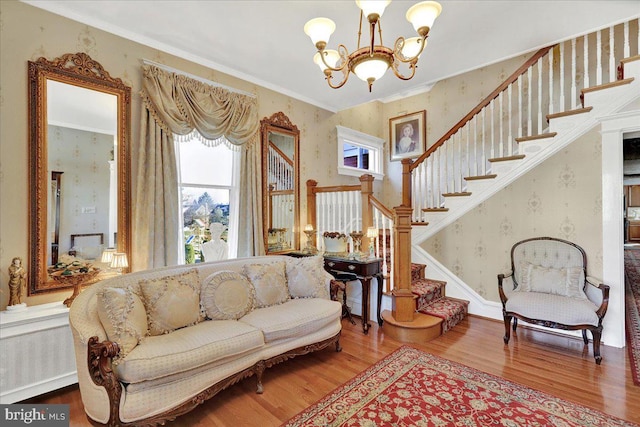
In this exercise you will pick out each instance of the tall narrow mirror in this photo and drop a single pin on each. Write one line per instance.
(281, 189)
(79, 165)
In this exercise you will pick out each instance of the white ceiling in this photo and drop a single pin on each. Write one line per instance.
(80, 108)
(263, 41)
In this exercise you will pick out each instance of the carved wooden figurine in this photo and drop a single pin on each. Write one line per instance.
(17, 279)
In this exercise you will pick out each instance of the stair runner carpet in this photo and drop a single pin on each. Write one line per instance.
(432, 301)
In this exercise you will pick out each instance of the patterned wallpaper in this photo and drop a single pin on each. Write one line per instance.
(26, 33)
(446, 103)
(560, 198)
(83, 158)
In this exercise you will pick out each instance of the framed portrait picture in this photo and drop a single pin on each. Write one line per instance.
(407, 135)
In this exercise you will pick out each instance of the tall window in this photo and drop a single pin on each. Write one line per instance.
(208, 184)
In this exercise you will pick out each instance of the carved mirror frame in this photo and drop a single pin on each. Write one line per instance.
(279, 123)
(79, 70)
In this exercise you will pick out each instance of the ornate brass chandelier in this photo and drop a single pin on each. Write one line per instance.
(371, 62)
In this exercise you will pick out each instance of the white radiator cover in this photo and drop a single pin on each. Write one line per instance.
(36, 352)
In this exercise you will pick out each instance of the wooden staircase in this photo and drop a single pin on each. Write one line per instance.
(555, 97)
(436, 313)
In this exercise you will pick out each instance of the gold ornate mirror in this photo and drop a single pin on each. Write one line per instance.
(281, 187)
(79, 125)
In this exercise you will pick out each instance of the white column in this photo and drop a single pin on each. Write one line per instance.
(612, 129)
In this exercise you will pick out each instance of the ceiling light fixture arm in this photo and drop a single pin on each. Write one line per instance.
(344, 58)
(344, 61)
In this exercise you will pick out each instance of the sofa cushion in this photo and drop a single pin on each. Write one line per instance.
(555, 308)
(270, 283)
(306, 277)
(293, 319)
(568, 282)
(188, 348)
(172, 302)
(123, 317)
(227, 295)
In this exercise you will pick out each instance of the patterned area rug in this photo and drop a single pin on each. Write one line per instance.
(413, 388)
(632, 301)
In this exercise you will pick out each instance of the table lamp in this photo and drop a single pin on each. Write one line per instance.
(119, 261)
(372, 234)
(107, 255)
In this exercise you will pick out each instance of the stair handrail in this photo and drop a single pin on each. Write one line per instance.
(484, 103)
(381, 207)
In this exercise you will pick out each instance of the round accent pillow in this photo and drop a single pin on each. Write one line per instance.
(227, 295)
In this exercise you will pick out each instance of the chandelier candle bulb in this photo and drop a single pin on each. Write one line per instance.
(371, 62)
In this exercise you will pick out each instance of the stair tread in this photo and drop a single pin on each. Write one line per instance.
(451, 310)
(478, 177)
(435, 209)
(535, 137)
(460, 194)
(569, 113)
(507, 158)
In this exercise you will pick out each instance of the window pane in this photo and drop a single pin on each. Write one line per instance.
(200, 207)
(200, 164)
(355, 156)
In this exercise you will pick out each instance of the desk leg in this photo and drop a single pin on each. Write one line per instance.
(380, 278)
(366, 286)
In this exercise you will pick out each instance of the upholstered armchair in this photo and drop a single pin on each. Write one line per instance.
(548, 286)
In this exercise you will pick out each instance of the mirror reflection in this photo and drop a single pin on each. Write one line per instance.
(82, 141)
(79, 118)
(280, 178)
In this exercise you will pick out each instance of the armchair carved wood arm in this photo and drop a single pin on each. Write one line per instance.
(548, 286)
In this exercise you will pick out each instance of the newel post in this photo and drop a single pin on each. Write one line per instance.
(311, 206)
(366, 190)
(406, 182)
(403, 306)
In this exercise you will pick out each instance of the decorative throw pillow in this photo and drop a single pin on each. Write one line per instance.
(227, 295)
(306, 277)
(270, 283)
(123, 317)
(567, 282)
(172, 302)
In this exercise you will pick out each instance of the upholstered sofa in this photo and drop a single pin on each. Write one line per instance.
(548, 286)
(153, 345)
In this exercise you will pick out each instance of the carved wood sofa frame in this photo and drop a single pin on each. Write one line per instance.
(596, 331)
(101, 354)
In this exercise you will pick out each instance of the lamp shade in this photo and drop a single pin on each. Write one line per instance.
(412, 46)
(372, 232)
(423, 14)
(308, 227)
(319, 30)
(107, 255)
(371, 69)
(330, 56)
(371, 7)
(119, 260)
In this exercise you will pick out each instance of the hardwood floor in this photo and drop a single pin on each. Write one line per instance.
(554, 364)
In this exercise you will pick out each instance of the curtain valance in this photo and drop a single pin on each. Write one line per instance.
(180, 104)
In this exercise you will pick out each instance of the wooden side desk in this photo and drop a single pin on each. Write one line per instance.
(364, 270)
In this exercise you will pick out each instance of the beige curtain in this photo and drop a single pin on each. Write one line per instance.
(177, 104)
